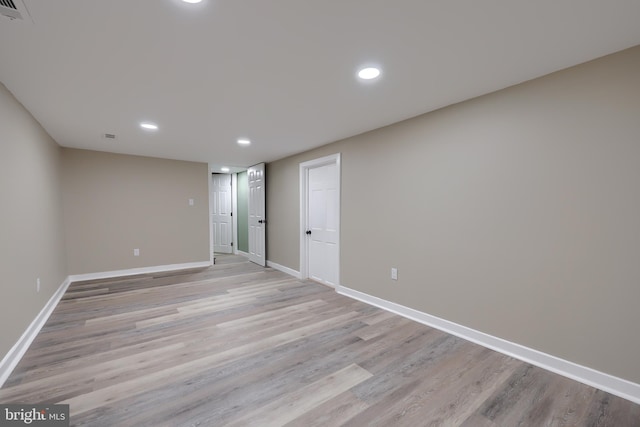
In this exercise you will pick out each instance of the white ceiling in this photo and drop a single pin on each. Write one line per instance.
(281, 72)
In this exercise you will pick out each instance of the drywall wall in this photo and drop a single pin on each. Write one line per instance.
(243, 212)
(32, 243)
(516, 214)
(116, 203)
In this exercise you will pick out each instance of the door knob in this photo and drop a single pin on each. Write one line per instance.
(308, 231)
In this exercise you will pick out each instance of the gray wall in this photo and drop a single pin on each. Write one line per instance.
(516, 213)
(115, 203)
(31, 227)
(243, 212)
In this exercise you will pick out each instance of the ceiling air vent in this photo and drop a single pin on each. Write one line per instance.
(8, 8)
(15, 9)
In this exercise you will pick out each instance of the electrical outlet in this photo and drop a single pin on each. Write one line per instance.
(394, 273)
(38, 284)
(136, 252)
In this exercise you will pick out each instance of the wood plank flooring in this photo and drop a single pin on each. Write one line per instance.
(240, 345)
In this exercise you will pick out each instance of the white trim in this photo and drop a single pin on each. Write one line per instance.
(304, 214)
(304, 177)
(609, 383)
(221, 249)
(234, 214)
(209, 182)
(12, 358)
(141, 270)
(287, 270)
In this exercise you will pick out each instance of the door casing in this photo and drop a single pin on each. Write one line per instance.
(221, 208)
(304, 209)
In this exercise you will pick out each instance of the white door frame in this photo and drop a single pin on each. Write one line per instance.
(234, 212)
(304, 206)
(234, 208)
(209, 181)
(227, 218)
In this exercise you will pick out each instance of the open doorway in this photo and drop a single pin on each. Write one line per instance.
(229, 211)
(222, 226)
(243, 213)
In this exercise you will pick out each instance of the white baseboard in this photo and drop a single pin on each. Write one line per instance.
(609, 383)
(243, 253)
(287, 270)
(12, 358)
(135, 271)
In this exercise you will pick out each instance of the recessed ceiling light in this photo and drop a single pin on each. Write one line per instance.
(244, 141)
(149, 126)
(192, 1)
(369, 73)
(225, 170)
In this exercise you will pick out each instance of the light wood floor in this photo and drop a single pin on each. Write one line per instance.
(240, 345)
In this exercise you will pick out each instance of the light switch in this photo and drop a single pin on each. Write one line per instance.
(191, 202)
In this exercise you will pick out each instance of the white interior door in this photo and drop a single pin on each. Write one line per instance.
(257, 220)
(221, 220)
(322, 231)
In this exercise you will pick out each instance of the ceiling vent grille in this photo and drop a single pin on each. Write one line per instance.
(8, 8)
(15, 9)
